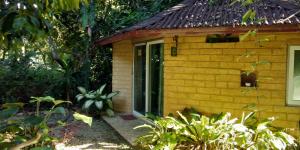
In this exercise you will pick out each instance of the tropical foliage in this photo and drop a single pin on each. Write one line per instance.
(101, 100)
(49, 45)
(21, 131)
(216, 132)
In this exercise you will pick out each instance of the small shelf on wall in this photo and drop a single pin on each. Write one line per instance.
(248, 79)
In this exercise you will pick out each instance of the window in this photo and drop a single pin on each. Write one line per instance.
(293, 90)
(222, 38)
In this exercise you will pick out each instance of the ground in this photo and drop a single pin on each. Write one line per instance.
(100, 136)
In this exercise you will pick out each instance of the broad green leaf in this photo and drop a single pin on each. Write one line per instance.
(33, 120)
(7, 113)
(79, 97)
(57, 102)
(90, 95)
(99, 105)
(278, 144)
(110, 104)
(100, 90)
(42, 99)
(87, 104)
(82, 90)
(110, 112)
(287, 138)
(103, 97)
(60, 110)
(84, 118)
(262, 126)
(13, 105)
(112, 94)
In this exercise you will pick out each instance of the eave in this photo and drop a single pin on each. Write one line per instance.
(196, 31)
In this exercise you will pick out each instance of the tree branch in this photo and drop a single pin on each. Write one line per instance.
(28, 143)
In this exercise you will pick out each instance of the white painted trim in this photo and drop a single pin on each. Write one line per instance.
(290, 76)
(155, 42)
(147, 77)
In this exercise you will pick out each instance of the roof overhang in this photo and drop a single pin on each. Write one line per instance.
(196, 31)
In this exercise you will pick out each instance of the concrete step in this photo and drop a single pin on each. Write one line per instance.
(124, 124)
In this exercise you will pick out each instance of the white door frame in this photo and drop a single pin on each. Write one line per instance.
(137, 114)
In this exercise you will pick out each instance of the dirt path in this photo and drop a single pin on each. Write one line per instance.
(79, 136)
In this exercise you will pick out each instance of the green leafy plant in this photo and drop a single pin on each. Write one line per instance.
(22, 132)
(101, 100)
(216, 132)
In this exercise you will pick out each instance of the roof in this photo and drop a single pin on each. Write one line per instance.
(201, 14)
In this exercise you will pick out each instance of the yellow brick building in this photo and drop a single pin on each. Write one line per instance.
(165, 64)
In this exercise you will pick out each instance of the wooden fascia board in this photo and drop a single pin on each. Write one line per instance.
(197, 31)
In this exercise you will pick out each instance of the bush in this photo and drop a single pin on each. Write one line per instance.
(216, 132)
(102, 101)
(19, 131)
(21, 77)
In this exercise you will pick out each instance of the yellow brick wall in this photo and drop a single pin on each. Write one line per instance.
(207, 76)
(122, 75)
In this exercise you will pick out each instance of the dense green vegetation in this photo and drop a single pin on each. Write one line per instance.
(220, 131)
(47, 51)
(47, 48)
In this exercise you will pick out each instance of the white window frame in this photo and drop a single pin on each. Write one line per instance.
(290, 76)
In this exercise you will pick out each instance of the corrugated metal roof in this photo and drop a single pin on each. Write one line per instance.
(200, 13)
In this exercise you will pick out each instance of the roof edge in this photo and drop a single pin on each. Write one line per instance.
(193, 31)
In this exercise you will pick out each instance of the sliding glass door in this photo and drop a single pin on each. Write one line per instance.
(148, 78)
(140, 79)
(155, 79)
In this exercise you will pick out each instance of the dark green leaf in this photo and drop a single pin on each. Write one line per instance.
(87, 104)
(110, 112)
(7, 113)
(33, 120)
(60, 110)
(82, 90)
(99, 105)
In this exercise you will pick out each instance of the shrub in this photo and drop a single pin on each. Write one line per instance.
(101, 100)
(216, 132)
(23, 132)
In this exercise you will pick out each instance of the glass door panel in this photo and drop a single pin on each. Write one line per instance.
(155, 101)
(296, 92)
(140, 79)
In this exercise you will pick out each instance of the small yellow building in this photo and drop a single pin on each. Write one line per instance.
(196, 55)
